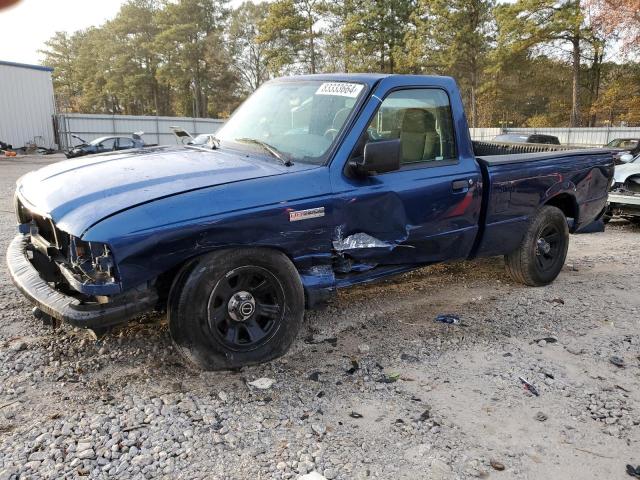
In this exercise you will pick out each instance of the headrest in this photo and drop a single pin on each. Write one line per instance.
(340, 118)
(418, 120)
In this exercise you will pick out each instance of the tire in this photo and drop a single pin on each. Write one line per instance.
(542, 252)
(232, 308)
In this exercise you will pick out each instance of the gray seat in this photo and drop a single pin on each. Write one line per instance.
(419, 139)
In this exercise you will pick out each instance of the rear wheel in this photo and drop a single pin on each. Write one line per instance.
(543, 250)
(233, 308)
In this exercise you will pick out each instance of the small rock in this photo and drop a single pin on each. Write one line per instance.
(540, 416)
(440, 470)
(329, 473)
(363, 348)
(312, 476)
(405, 357)
(318, 429)
(617, 361)
(86, 454)
(82, 446)
(263, 383)
(18, 346)
(574, 349)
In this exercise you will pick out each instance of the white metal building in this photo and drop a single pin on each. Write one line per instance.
(26, 105)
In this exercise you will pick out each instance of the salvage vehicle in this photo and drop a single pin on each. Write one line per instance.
(105, 144)
(315, 183)
(514, 137)
(623, 147)
(624, 197)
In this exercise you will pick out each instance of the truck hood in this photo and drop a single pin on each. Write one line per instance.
(78, 193)
(622, 172)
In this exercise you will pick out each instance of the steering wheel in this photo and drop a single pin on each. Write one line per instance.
(331, 134)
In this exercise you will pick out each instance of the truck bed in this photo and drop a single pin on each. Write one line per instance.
(506, 159)
(516, 184)
(483, 148)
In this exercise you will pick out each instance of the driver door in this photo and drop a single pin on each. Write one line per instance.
(107, 145)
(428, 210)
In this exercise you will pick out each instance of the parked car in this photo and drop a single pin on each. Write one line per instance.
(377, 176)
(624, 146)
(527, 138)
(105, 144)
(624, 197)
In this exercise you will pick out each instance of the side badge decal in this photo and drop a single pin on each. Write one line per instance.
(306, 214)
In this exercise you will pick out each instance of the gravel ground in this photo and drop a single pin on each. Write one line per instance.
(373, 387)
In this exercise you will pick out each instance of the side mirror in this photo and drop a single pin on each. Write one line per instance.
(380, 157)
(626, 158)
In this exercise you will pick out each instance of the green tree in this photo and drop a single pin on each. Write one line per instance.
(60, 53)
(373, 33)
(452, 38)
(249, 55)
(291, 33)
(194, 59)
(529, 24)
(134, 57)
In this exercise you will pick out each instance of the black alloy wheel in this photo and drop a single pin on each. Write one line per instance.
(245, 306)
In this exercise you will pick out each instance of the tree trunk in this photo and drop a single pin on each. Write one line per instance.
(597, 66)
(575, 108)
(312, 46)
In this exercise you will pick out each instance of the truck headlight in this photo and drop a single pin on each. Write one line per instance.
(93, 259)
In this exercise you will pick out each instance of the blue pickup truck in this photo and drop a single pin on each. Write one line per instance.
(315, 183)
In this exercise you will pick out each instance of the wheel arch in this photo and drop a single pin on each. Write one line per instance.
(166, 281)
(567, 204)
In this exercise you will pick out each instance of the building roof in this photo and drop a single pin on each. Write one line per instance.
(26, 65)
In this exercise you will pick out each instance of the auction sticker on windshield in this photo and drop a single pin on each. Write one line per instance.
(341, 89)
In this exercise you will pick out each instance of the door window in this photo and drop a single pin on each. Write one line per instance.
(108, 144)
(125, 143)
(421, 120)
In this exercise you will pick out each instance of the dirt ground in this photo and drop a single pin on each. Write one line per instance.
(372, 388)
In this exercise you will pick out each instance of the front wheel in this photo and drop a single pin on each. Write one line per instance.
(543, 250)
(233, 308)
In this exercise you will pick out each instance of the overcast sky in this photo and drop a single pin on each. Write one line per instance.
(26, 26)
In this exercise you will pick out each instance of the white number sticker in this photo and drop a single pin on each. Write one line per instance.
(341, 89)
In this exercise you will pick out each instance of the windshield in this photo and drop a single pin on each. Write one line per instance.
(298, 119)
(623, 143)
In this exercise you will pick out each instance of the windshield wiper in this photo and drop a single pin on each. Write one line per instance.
(269, 148)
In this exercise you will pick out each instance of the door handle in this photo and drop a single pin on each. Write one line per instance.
(461, 186)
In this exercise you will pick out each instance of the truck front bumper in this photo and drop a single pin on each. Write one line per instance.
(76, 311)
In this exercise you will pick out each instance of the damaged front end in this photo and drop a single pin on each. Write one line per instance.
(624, 198)
(70, 279)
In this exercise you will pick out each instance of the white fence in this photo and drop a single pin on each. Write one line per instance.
(592, 136)
(156, 129)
